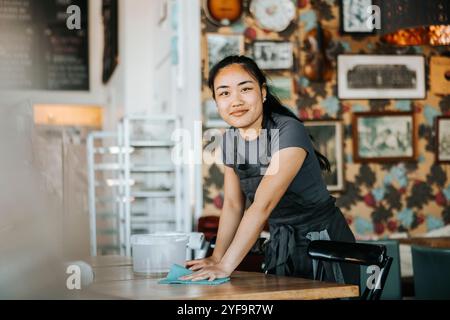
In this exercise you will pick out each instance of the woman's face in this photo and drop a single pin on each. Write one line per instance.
(239, 97)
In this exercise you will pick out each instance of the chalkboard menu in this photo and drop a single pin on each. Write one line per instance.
(41, 48)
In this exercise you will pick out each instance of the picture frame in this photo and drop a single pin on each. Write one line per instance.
(328, 140)
(443, 139)
(353, 17)
(273, 55)
(281, 86)
(211, 115)
(384, 136)
(381, 76)
(220, 46)
(439, 75)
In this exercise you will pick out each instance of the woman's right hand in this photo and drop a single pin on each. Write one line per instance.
(198, 264)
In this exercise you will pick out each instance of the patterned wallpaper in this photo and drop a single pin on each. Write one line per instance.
(379, 198)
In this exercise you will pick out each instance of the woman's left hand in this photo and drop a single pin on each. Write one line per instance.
(211, 273)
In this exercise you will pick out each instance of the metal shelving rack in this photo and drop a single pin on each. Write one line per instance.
(114, 182)
(137, 224)
(105, 187)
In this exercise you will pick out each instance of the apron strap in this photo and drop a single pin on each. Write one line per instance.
(280, 249)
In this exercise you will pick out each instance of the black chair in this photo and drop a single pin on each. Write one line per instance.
(355, 253)
(392, 289)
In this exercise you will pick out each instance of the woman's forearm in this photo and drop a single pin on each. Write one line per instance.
(229, 222)
(247, 233)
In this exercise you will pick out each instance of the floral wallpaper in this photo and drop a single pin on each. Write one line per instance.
(379, 198)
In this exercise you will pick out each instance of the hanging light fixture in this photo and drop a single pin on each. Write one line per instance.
(415, 22)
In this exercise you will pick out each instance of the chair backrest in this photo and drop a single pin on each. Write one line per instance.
(393, 287)
(355, 253)
(431, 267)
(208, 225)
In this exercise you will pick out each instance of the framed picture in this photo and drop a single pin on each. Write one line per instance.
(273, 55)
(221, 46)
(440, 75)
(354, 18)
(384, 136)
(443, 139)
(327, 138)
(211, 115)
(381, 76)
(282, 87)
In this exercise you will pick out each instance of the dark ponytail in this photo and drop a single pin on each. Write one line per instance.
(271, 105)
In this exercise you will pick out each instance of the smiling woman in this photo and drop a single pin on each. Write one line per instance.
(239, 98)
(292, 197)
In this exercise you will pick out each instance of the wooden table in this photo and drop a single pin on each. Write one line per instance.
(114, 278)
(435, 242)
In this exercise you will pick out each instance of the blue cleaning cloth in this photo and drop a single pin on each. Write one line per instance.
(177, 271)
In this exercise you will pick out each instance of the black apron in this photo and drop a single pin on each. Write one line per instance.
(292, 226)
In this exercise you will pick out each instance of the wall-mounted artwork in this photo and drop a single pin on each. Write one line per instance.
(221, 46)
(355, 17)
(443, 139)
(223, 13)
(440, 75)
(273, 15)
(273, 55)
(383, 136)
(282, 87)
(381, 77)
(327, 136)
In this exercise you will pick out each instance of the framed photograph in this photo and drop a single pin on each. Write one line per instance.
(211, 115)
(381, 76)
(384, 136)
(327, 139)
(273, 55)
(440, 75)
(282, 87)
(354, 18)
(443, 139)
(221, 46)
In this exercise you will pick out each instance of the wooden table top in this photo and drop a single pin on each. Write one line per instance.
(435, 242)
(114, 278)
(109, 261)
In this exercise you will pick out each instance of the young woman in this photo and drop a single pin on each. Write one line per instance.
(284, 185)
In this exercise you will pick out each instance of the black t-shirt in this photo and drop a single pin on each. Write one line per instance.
(287, 132)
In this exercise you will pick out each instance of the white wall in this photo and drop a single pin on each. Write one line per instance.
(138, 53)
(146, 81)
(188, 100)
